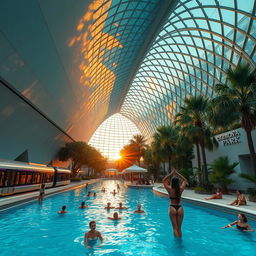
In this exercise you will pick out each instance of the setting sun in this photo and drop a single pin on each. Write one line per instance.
(117, 157)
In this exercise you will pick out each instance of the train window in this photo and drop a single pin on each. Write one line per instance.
(48, 177)
(10, 177)
(23, 178)
(17, 178)
(29, 178)
(1, 178)
(36, 178)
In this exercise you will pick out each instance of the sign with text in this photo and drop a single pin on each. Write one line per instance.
(229, 138)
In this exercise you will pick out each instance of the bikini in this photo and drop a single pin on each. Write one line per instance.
(241, 228)
(176, 207)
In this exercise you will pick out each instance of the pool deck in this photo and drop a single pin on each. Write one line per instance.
(218, 204)
(19, 199)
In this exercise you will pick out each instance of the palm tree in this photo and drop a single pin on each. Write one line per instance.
(237, 102)
(221, 170)
(152, 160)
(139, 143)
(165, 142)
(193, 121)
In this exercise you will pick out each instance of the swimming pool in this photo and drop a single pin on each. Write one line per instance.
(33, 229)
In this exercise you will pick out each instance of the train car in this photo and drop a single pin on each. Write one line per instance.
(17, 177)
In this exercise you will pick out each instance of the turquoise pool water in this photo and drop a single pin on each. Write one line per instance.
(32, 229)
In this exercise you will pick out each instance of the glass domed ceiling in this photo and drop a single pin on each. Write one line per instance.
(112, 135)
(198, 42)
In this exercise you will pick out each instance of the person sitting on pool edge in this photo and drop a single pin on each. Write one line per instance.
(240, 199)
(83, 206)
(109, 206)
(115, 216)
(63, 209)
(92, 235)
(218, 195)
(241, 223)
(121, 207)
(139, 209)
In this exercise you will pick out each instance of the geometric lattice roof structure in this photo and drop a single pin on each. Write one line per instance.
(196, 45)
(70, 65)
(112, 135)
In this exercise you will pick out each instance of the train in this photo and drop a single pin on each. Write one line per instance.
(18, 177)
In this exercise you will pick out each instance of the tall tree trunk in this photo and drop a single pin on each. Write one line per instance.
(199, 163)
(204, 162)
(139, 161)
(170, 162)
(252, 151)
(164, 168)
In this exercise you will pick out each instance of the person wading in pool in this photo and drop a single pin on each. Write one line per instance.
(174, 190)
(41, 193)
(92, 236)
(241, 224)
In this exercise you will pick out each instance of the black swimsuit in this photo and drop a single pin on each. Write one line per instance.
(241, 228)
(176, 207)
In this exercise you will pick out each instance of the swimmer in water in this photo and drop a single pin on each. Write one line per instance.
(114, 192)
(92, 236)
(121, 207)
(63, 209)
(115, 217)
(108, 207)
(83, 206)
(139, 209)
(241, 224)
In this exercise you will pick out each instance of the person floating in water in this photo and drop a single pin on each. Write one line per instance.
(115, 216)
(240, 199)
(89, 193)
(109, 206)
(94, 194)
(63, 209)
(41, 193)
(83, 206)
(92, 236)
(86, 186)
(117, 186)
(103, 190)
(174, 190)
(121, 207)
(218, 195)
(241, 223)
(139, 209)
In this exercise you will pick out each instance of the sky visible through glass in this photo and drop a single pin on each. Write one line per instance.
(112, 135)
